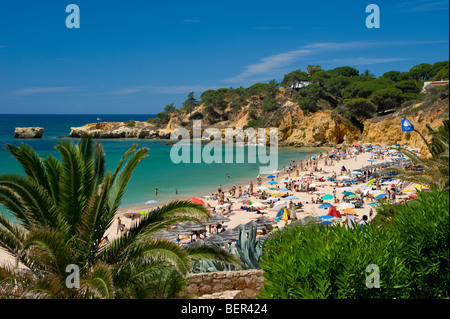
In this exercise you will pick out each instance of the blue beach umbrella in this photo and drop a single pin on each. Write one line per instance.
(270, 176)
(373, 204)
(371, 160)
(284, 189)
(380, 196)
(325, 205)
(273, 182)
(325, 217)
(291, 197)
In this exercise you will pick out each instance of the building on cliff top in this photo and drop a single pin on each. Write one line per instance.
(428, 85)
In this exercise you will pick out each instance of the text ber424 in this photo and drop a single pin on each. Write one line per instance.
(246, 308)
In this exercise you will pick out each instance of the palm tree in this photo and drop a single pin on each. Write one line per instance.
(435, 169)
(63, 209)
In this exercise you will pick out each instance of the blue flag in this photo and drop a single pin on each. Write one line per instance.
(407, 126)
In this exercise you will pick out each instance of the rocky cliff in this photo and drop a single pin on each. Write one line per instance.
(386, 130)
(140, 130)
(28, 132)
(322, 128)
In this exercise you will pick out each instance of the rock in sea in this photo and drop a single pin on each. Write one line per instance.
(28, 132)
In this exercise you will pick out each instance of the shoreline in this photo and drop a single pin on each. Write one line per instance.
(242, 217)
(207, 190)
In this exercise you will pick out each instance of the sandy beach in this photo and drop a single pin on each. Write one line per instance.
(318, 177)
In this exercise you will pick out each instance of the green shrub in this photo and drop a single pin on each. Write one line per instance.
(411, 251)
(130, 123)
(423, 226)
(322, 261)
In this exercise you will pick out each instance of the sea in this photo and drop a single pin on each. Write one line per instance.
(157, 170)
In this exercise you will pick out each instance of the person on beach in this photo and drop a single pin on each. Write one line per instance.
(176, 191)
(120, 226)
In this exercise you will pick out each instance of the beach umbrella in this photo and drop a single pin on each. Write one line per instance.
(348, 193)
(263, 188)
(179, 230)
(326, 205)
(193, 226)
(221, 206)
(285, 181)
(197, 201)
(345, 177)
(318, 193)
(284, 189)
(277, 194)
(373, 204)
(327, 197)
(370, 182)
(291, 197)
(331, 179)
(271, 176)
(264, 221)
(406, 190)
(216, 219)
(357, 173)
(380, 196)
(286, 214)
(272, 199)
(279, 206)
(371, 160)
(165, 234)
(325, 217)
(272, 182)
(256, 204)
(349, 211)
(132, 214)
(333, 212)
(354, 196)
(151, 202)
(413, 195)
(346, 205)
(347, 189)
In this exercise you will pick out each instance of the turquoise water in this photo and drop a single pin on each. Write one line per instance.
(155, 171)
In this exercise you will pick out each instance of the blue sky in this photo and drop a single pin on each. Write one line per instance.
(134, 57)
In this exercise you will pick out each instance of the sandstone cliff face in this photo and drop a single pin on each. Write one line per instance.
(320, 128)
(28, 132)
(323, 128)
(387, 130)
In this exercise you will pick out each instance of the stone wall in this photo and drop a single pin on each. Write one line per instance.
(242, 284)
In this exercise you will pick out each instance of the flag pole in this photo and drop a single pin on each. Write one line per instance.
(401, 142)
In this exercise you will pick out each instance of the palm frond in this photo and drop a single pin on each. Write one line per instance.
(214, 254)
(55, 252)
(120, 180)
(31, 163)
(72, 199)
(54, 171)
(98, 282)
(32, 198)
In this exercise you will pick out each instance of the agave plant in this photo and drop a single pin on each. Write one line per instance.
(248, 249)
(63, 210)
